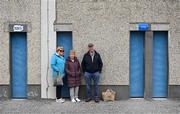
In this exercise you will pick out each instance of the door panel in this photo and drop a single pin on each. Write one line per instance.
(18, 65)
(137, 64)
(160, 64)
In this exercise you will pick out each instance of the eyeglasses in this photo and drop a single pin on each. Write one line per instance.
(61, 50)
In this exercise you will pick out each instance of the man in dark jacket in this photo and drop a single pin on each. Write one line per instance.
(92, 67)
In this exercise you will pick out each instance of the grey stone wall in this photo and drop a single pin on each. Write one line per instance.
(106, 24)
(103, 22)
(20, 11)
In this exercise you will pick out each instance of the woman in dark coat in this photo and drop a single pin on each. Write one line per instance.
(73, 72)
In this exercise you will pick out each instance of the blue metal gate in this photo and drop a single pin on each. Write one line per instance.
(65, 39)
(160, 64)
(18, 65)
(137, 64)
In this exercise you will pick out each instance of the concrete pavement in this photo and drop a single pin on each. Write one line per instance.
(131, 106)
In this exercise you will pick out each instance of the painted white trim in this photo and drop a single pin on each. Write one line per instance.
(48, 46)
(159, 99)
(63, 27)
(133, 27)
(160, 27)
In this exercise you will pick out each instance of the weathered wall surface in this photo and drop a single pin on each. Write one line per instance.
(106, 24)
(103, 22)
(20, 11)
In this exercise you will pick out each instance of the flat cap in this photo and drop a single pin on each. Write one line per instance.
(90, 45)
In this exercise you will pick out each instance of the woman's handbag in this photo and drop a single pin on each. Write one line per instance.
(57, 81)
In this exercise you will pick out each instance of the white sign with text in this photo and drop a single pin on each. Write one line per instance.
(18, 28)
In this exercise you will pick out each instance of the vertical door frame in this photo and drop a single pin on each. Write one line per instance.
(148, 64)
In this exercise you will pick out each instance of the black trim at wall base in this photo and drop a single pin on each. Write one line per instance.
(34, 92)
(122, 91)
(174, 91)
(4, 91)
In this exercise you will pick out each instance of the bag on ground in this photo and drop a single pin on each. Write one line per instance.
(108, 95)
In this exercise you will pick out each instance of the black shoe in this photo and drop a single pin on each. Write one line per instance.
(96, 100)
(88, 99)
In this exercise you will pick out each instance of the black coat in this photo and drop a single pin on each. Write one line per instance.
(92, 66)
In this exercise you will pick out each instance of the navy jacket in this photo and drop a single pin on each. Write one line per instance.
(92, 66)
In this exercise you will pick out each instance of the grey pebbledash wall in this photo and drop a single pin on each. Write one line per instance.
(106, 24)
(20, 12)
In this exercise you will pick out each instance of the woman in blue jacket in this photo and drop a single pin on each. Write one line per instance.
(58, 65)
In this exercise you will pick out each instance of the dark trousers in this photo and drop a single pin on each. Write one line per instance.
(58, 92)
(88, 78)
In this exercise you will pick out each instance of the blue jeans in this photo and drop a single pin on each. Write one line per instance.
(88, 78)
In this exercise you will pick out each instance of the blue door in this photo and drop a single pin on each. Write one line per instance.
(18, 65)
(65, 39)
(137, 64)
(160, 64)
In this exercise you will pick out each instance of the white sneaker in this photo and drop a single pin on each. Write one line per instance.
(73, 100)
(57, 100)
(61, 100)
(78, 100)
